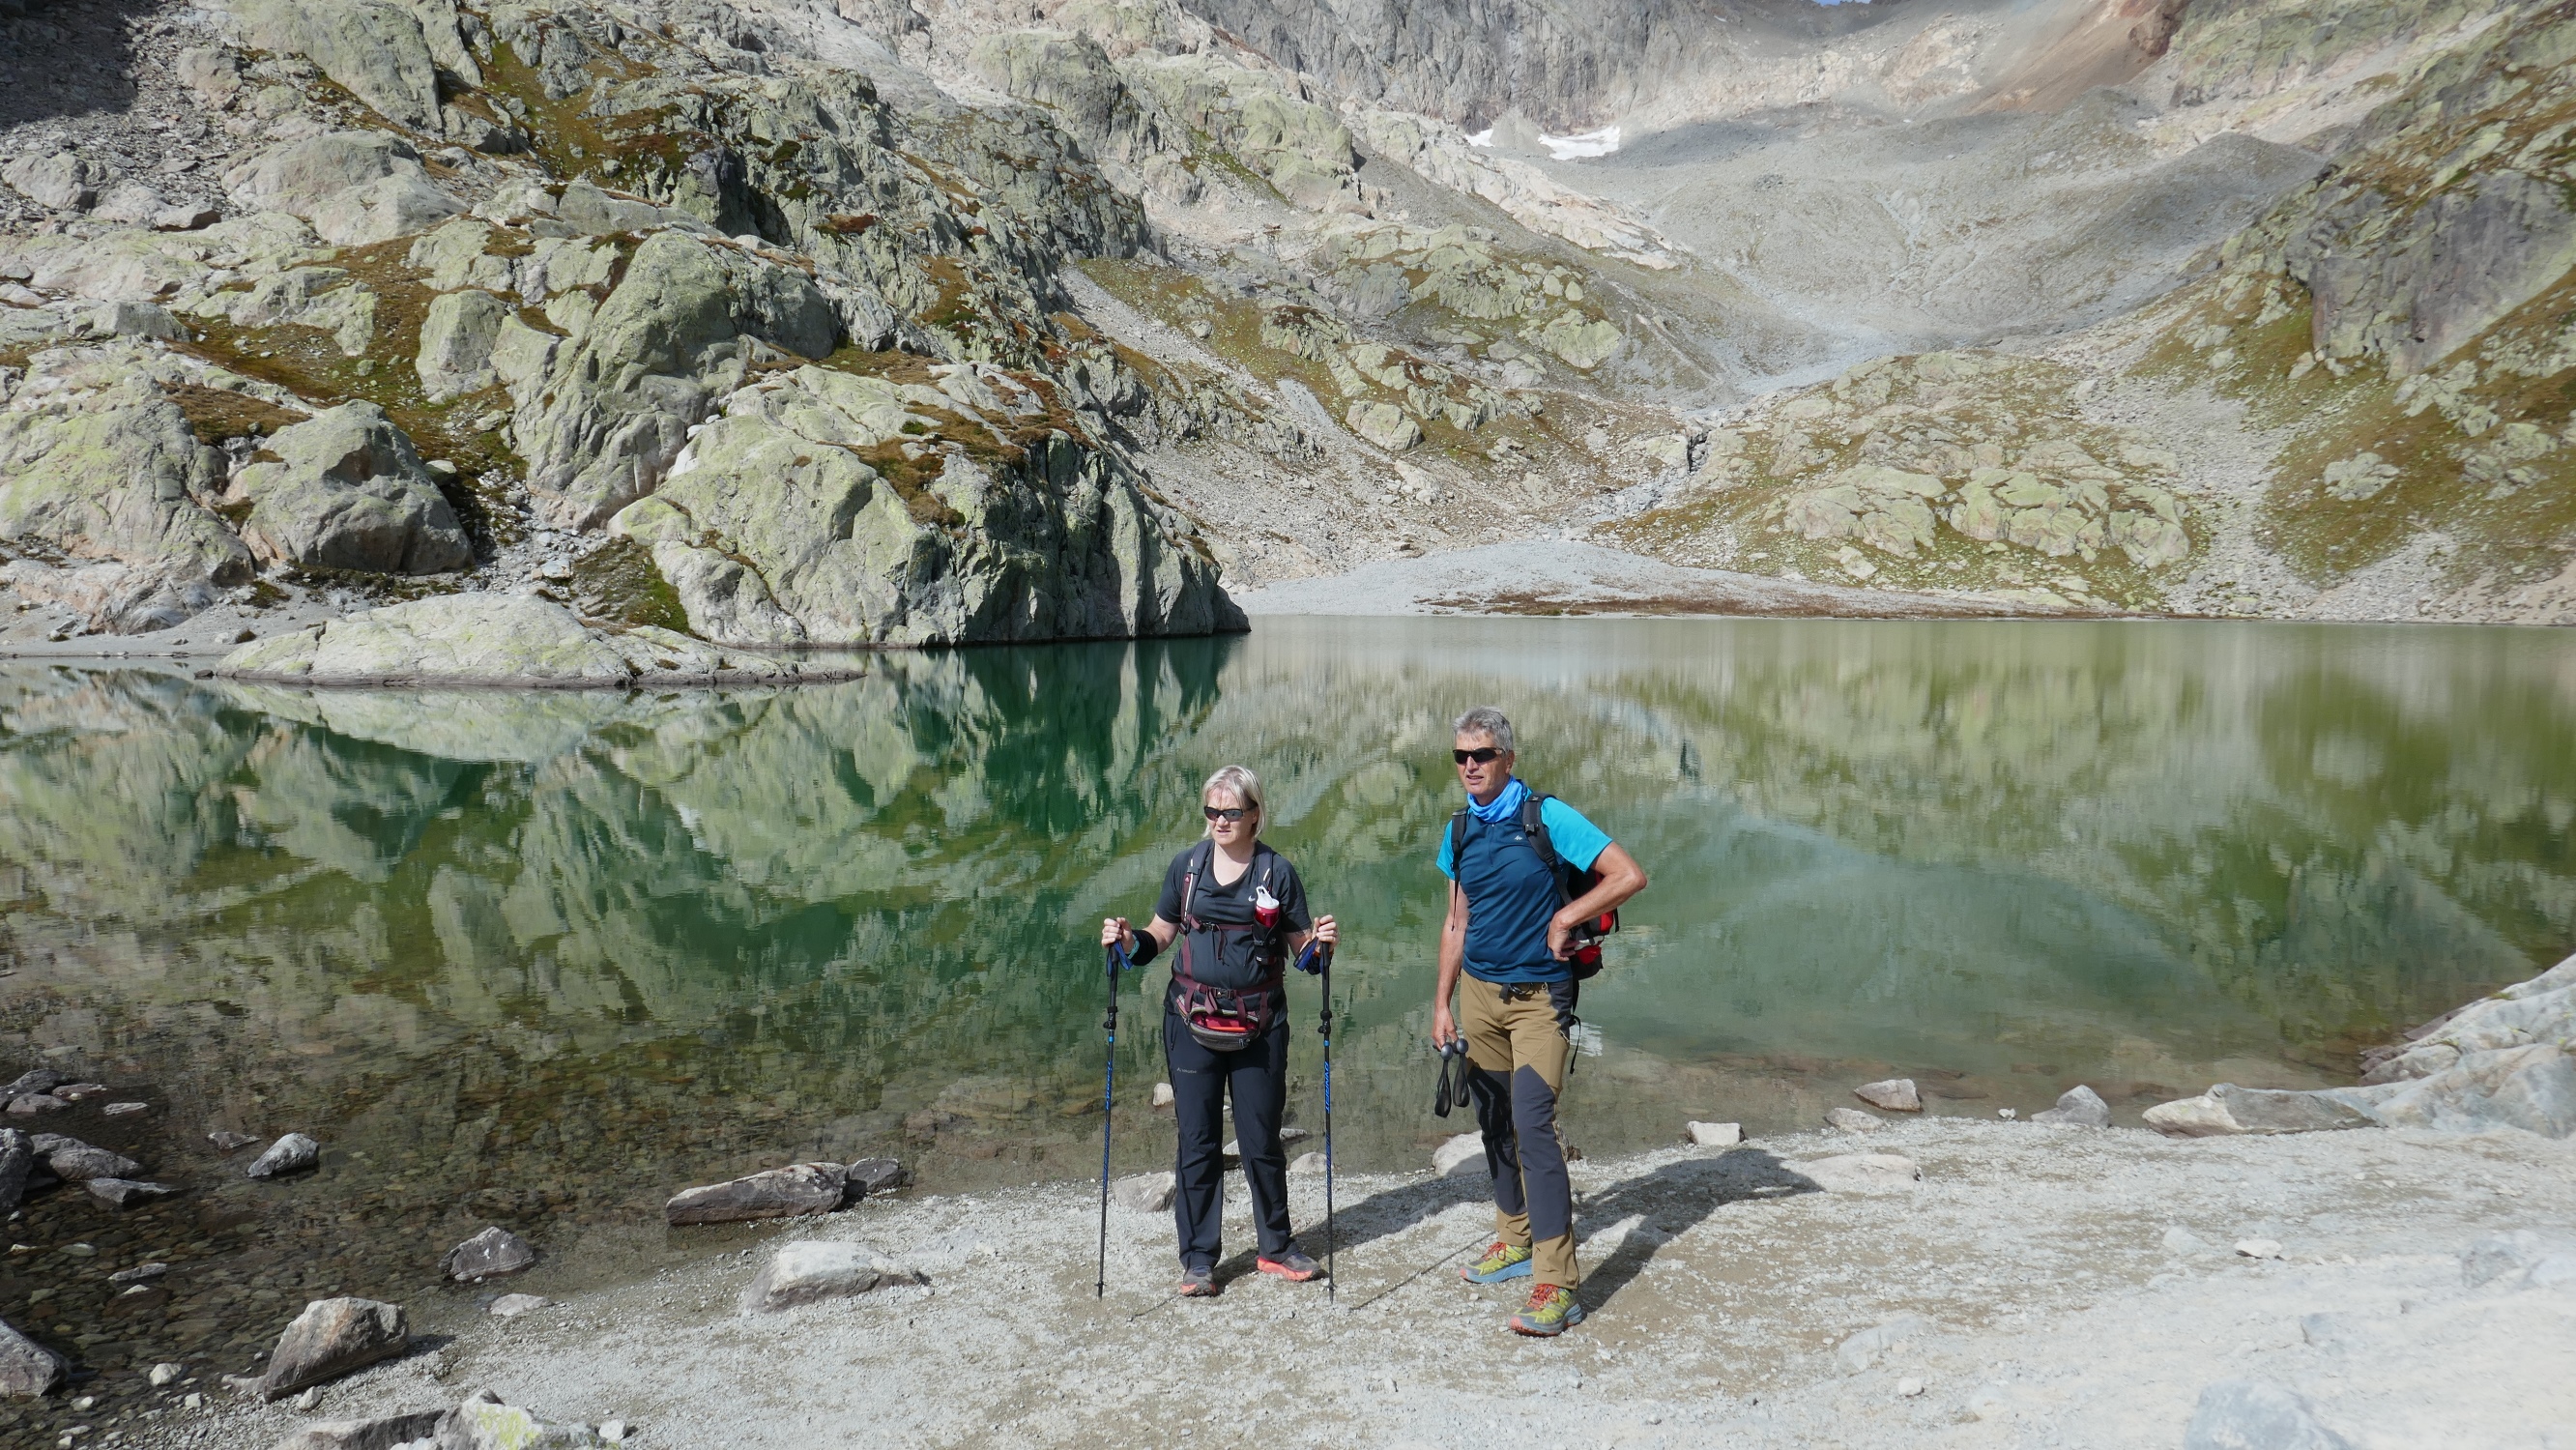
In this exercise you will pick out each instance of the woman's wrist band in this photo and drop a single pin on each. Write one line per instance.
(1144, 949)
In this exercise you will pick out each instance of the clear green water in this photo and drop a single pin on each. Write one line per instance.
(539, 959)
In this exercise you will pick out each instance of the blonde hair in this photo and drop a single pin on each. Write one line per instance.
(1239, 782)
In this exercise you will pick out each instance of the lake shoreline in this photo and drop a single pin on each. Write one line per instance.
(1891, 1282)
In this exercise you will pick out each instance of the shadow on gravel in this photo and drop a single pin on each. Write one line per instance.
(67, 57)
(1673, 1200)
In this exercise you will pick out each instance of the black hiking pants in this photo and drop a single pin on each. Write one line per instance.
(1257, 1075)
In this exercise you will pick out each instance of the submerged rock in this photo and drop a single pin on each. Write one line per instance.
(1715, 1135)
(26, 1367)
(291, 1154)
(802, 1272)
(511, 1306)
(789, 1192)
(329, 1339)
(16, 1160)
(78, 1162)
(1853, 1120)
(127, 1192)
(488, 1255)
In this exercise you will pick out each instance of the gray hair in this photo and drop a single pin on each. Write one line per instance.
(1489, 722)
(1239, 782)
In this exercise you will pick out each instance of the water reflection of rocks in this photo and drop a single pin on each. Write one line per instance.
(538, 960)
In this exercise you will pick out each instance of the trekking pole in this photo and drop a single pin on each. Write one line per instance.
(1327, 1029)
(1108, 1100)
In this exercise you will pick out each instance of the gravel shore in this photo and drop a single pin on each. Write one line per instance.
(2073, 1287)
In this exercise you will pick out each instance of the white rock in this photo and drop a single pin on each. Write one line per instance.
(307, 1402)
(290, 1154)
(1853, 1120)
(1715, 1135)
(511, 1306)
(1462, 1156)
(2250, 1415)
(2078, 1107)
(1307, 1163)
(1162, 1095)
(817, 1269)
(2259, 1248)
(1860, 1351)
(2007, 1114)
(1895, 1094)
(1860, 1172)
(612, 1431)
(1145, 1192)
(1909, 1387)
(165, 1374)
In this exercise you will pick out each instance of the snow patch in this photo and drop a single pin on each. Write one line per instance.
(1578, 148)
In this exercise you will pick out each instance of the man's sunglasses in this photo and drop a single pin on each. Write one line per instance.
(1485, 755)
(1228, 814)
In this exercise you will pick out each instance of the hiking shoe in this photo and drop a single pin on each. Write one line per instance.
(1291, 1264)
(1550, 1309)
(1500, 1262)
(1198, 1283)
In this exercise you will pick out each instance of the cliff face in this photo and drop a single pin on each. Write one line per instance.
(859, 323)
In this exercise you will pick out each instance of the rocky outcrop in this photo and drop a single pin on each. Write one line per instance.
(827, 507)
(331, 1338)
(16, 1160)
(500, 639)
(2412, 285)
(347, 491)
(99, 467)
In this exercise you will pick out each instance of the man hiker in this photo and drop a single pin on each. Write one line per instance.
(1511, 931)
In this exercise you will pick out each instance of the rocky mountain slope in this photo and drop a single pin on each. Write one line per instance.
(777, 323)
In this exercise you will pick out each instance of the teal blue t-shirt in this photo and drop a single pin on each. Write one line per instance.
(1510, 895)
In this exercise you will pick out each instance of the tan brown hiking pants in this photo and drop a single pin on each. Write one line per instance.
(1517, 1043)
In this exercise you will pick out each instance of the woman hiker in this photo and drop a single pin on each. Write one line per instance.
(1239, 913)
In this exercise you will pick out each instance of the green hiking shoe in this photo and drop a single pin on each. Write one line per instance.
(1551, 1308)
(1500, 1262)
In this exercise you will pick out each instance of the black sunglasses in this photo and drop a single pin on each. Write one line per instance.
(1484, 755)
(1224, 813)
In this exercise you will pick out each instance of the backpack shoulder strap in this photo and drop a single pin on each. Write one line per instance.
(1200, 856)
(1534, 825)
(1457, 842)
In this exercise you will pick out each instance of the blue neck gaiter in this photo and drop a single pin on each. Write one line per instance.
(1506, 805)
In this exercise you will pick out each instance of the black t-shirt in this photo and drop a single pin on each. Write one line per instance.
(1232, 959)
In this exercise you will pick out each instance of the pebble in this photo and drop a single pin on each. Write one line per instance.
(2007, 1114)
(118, 1110)
(1909, 1387)
(1162, 1095)
(1714, 1135)
(2259, 1248)
(166, 1374)
(511, 1306)
(138, 1273)
(613, 1431)
(226, 1141)
(309, 1401)
(1853, 1120)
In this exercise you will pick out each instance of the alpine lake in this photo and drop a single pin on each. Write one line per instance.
(539, 959)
